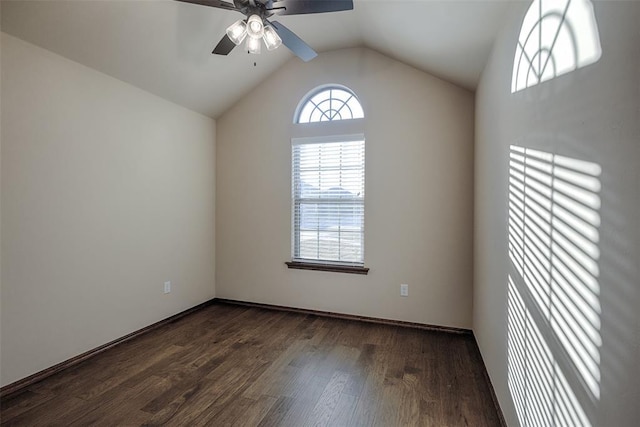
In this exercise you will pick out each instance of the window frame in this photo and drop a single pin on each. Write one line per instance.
(308, 98)
(341, 130)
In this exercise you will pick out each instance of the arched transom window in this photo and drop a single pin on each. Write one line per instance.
(329, 104)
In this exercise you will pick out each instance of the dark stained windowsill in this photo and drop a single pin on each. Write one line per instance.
(327, 267)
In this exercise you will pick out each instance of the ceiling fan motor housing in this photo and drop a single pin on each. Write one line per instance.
(258, 26)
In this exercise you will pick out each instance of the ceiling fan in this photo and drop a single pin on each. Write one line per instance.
(257, 26)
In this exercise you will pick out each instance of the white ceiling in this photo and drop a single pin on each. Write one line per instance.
(164, 47)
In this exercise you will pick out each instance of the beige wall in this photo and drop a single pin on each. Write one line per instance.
(419, 192)
(107, 191)
(593, 115)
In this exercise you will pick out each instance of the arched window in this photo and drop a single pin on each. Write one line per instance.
(327, 184)
(329, 104)
(556, 37)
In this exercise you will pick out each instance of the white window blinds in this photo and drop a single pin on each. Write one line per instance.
(328, 200)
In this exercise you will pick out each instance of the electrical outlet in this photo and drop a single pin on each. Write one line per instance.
(167, 287)
(404, 290)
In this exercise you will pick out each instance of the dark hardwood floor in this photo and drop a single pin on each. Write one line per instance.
(235, 365)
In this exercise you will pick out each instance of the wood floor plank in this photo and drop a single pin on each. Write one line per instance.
(118, 377)
(24, 402)
(117, 408)
(302, 404)
(228, 365)
(206, 405)
(328, 401)
(53, 412)
(344, 409)
(274, 417)
(244, 412)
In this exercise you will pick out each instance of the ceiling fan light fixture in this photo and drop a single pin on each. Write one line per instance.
(237, 31)
(255, 27)
(271, 39)
(254, 45)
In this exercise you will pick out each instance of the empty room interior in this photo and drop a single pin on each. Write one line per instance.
(336, 213)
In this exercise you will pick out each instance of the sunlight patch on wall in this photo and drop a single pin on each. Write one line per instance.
(557, 37)
(553, 292)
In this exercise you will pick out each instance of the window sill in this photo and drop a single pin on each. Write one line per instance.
(327, 267)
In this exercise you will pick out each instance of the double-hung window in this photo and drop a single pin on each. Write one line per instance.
(328, 187)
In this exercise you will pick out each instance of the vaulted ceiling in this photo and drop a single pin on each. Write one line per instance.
(164, 47)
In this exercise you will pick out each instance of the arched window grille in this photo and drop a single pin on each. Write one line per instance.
(329, 104)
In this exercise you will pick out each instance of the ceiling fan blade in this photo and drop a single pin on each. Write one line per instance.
(224, 46)
(293, 42)
(220, 4)
(299, 7)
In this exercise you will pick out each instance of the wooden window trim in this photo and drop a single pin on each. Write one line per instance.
(352, 269)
